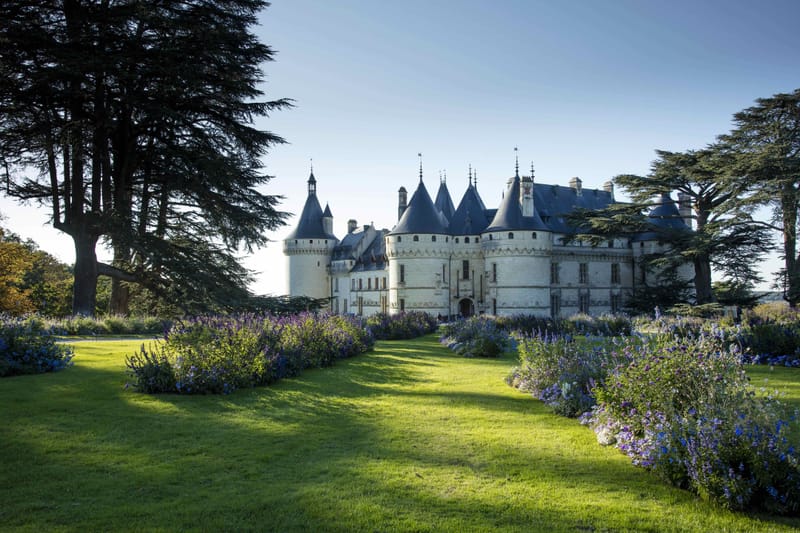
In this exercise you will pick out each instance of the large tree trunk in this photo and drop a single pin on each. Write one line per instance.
(84, 292)
(120, 290)
(789, 215)
(702, 280)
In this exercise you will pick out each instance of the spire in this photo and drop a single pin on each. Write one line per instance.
(516, 162)
(312, 181)
(420, 166)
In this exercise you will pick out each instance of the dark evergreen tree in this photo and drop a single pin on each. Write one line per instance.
(134, 122)
(766, 142)
(724, 235)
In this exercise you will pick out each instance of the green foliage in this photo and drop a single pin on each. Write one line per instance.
(684, 408)
(475, 337)
(407, 325)
(27, 346)
(219, 354)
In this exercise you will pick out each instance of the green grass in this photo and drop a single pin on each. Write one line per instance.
(409, 437)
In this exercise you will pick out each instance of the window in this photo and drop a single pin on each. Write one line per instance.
(360, 305)
(456, 240)
(442, 272)
(311, 241)
(510, 235)
(554, 273)
(369, 284)
(533, 235)
(611, 244)
(399, 238)
(402, 273)
(402, 305)
(494, 306)
(616, 302)
(491, 237)
(465, 268)
(555, 305)
(494, 272)
(615, 273)
(353, 284)
(433, 238)
(416, 238)
(336, 285)
(360, 284)
(466, 240)
(383, 283)
(583, 273)
(583, 303)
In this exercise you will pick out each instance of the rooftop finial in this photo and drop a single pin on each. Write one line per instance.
(311, 160)
(420, 166)
(440, 176)
(470, 174)
(516, 161)
(445, 175)
(531, 170)
(475, 178)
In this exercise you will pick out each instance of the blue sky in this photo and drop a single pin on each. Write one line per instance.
(583, 88)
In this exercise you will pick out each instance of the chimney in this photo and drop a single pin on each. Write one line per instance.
(575, 183)
(685, 208)
(526, 196)
(402, 202)
(609, 188)
(351, 225)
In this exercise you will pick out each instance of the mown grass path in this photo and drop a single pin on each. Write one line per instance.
(409, 437)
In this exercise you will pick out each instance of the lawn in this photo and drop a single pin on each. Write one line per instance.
(409, 437)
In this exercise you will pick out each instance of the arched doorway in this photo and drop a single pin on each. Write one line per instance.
(466, 308)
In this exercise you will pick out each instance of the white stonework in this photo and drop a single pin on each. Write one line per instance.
(451, 262)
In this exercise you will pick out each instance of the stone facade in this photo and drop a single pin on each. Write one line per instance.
(517, 259)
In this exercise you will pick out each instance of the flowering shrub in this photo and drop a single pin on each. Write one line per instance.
(562, 371)
(407, 325)
(109, 325)
(683, 408)
(475, 337)
(579, 324)
(221, 354)
(28, 347)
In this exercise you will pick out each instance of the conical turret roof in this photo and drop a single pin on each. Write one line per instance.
(470, 217)
(509, 214)
(421, 215)
(310, 225)
(443, 201)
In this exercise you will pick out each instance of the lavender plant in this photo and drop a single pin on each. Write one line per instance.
(27, 346)
(475, 337)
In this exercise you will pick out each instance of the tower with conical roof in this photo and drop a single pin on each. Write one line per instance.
(517, 247)
(417, 254)
(309, 247)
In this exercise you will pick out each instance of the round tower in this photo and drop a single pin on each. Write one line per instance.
(417, 252)
(309, 247)
(517, 247)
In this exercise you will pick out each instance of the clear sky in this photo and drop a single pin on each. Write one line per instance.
(583, 88)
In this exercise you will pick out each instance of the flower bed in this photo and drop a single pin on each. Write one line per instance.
(679, 406)
(28, 347)
(221, 354)
(475, 337)
(408, 325)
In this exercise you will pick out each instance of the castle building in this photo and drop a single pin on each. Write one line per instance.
(520, 258)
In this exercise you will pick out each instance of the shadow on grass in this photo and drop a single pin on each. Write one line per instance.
(337, 449)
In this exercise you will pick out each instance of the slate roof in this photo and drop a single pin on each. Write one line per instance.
(470, 218)
(421, 215)
(374, 257)
(347, 246)
(509, 214)
(554, 202)
(443, 202)
(664, 216)
(310, 224)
